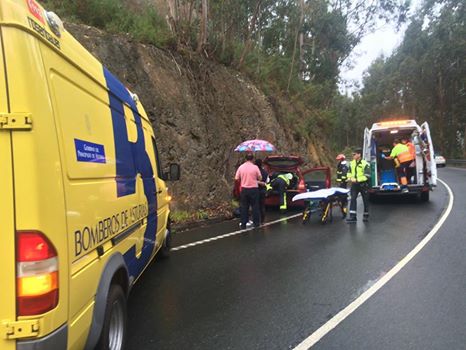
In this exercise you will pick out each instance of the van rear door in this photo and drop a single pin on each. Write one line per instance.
(430, 159)
(7, 225)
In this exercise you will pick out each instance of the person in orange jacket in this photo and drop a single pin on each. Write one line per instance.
(403, 157)
(411, 169)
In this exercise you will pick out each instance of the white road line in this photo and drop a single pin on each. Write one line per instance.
(232, 233)
(338, 318)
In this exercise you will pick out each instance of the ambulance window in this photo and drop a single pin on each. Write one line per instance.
(157, 158)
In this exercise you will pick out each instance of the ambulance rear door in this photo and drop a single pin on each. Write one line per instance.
(430, 158)
(370, 154)
(7, 224)
(366, 149)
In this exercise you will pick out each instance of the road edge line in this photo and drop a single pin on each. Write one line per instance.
(234, 233)
(353, 306)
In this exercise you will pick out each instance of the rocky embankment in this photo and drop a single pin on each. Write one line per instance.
(200, 111)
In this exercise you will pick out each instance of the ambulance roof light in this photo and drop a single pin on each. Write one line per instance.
(394, 123)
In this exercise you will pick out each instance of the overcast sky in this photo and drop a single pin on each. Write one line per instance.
(383, 41)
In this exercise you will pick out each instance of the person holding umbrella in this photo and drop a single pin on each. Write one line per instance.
(250, 177)
(248, 174)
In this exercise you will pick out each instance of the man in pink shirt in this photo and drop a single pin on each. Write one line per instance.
(249, 175)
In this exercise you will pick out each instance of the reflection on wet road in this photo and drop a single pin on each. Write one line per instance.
(271, 288)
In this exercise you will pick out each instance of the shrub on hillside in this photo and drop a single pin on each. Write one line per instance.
(113, 16)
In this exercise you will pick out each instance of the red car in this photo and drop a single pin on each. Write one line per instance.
(303, 180)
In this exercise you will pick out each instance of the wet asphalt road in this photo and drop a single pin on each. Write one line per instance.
(271, 288)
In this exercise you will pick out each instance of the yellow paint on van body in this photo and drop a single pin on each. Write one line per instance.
(60, 177)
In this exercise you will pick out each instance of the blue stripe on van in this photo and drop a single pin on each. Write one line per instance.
(132, 159)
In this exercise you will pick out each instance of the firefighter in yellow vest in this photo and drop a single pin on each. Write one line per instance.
(359, 174)
(280, 184)
(342, 181)
(403, 158)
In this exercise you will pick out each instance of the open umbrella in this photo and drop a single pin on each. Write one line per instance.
(255, 146)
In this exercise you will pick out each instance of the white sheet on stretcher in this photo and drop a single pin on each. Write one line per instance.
(321, 194)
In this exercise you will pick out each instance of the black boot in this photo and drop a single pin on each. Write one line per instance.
(352, 219)
(365, 217)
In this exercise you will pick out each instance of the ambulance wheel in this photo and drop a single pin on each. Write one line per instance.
(114, 329)
(166, 246)
(425, 196)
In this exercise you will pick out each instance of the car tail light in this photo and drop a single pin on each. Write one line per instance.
(301, 186)
(327, 183)
(36, 273)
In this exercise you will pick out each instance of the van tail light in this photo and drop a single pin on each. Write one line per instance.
(36, 274)
(301, 186)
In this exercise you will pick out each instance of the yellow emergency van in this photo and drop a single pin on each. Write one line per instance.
(83, 201)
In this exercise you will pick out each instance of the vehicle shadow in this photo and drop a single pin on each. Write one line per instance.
(396, 199)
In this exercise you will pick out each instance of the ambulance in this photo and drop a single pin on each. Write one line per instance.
(84, 205)
(422, 173)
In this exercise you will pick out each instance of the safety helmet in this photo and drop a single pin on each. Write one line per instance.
(341, 156)
(289, 176)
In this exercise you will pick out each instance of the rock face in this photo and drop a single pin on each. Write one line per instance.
(200, 111)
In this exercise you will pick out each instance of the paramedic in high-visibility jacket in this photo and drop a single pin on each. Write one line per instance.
(281, 184)
(359, 174)
(403, 158)
(342, 180)
(342, 171)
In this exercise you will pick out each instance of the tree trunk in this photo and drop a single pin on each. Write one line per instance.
(248, 44)
(298, 31)
(202, 41)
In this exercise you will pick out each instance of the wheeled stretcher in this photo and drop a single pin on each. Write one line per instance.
(322, 202)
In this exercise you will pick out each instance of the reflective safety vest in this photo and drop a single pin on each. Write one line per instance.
(342, 171)
(268, 186)
(402, 153)
(360, 170)
(412, 149)
(284, 178)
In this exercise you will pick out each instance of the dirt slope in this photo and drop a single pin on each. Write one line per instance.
(200, 111)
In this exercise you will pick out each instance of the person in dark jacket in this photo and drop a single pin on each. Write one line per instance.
(262, 189)
(342, 181)
(280, 184)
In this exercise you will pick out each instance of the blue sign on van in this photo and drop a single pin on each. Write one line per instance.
(89, 152)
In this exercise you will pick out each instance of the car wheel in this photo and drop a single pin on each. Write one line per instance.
(166, 246)
(114, 329)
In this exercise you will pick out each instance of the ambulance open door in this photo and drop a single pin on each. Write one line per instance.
(430, 156)
(369, 154)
